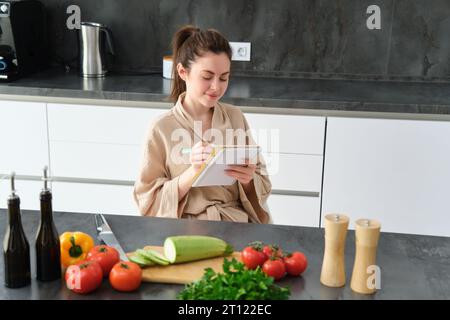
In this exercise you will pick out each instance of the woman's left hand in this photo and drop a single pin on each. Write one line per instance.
(243, 173)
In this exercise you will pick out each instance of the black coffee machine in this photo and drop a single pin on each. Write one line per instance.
(23, 38)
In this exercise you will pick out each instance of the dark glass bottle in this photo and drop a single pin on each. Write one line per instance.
(48, 264)
(16, 250)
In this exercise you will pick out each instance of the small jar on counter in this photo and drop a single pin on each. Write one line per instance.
(167, 67)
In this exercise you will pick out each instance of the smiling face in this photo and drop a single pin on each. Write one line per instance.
(206, 79)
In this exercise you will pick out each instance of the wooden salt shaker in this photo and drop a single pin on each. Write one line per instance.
(333, 266)
(367, 233)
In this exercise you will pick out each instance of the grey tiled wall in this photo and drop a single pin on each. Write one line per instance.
(308, 38)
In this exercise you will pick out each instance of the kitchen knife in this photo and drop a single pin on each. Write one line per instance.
(106, 236)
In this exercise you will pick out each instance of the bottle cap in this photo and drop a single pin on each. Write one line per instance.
(45, 178)
(13, 194)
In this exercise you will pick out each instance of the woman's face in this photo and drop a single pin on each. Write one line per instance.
(207, 78)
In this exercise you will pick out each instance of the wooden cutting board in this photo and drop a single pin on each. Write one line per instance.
(184, 272)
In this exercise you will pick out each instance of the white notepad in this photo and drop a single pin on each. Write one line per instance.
(213, 171)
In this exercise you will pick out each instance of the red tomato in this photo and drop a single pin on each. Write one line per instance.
(274, 268)
(125, 276)
(270, 249)
(296, 263)
(252, 257)
(84, 277)
(106, 256)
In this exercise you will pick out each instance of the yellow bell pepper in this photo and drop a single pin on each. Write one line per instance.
(74, 247)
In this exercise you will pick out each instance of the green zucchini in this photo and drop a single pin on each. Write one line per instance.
(178, 249)
(139, 260)
(153, 256)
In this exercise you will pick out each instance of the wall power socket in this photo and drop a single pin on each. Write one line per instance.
(241, 51)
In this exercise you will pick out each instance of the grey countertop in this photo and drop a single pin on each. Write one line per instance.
(412, 266)
(282, 93)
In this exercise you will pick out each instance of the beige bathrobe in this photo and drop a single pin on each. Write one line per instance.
(156, 188)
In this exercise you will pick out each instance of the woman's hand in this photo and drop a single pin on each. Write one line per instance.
(242, 173)
(200, 152)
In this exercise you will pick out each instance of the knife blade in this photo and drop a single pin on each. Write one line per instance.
(106, 236)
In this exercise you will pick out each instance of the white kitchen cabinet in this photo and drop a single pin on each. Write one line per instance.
(294, 172)
(294, 210)
(23, 138)
(287, 133)
(28, 192)
(293, 151)
(100, 124)
(395, 171)
(95, 160)
(93, 198)
(98, 142)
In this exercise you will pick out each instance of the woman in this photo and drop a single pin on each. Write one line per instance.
(202, 60)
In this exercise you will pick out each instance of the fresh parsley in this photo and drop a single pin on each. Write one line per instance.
(235, 283)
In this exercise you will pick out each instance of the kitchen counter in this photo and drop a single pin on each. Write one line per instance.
(412, 266)
(284, 95)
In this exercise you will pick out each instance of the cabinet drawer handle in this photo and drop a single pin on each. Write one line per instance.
(296, 193)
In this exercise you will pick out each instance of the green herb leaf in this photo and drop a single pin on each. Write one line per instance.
(235, 283)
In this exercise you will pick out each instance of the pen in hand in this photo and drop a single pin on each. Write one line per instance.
(189, 150)
(186, 150)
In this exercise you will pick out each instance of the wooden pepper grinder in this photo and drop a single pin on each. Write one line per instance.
(333, 266)
(367, 233)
